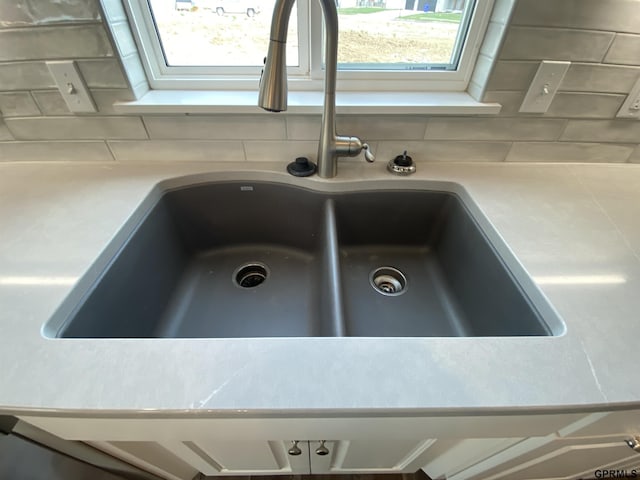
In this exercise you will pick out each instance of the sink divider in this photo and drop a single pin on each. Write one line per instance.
(332, 268)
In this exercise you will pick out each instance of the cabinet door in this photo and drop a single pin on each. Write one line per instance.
(372, 455)
(448, 457)
(178, 460)
(564, 459)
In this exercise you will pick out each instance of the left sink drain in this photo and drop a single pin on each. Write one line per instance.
(251, 275)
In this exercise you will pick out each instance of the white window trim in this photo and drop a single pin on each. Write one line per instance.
(303, 103)
(233, 94)
(161, 76)
(308, 76)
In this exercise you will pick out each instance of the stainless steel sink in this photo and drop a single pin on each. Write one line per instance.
(258, 259)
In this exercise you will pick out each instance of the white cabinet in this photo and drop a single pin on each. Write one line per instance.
(567, 458)
(373, 455)
(182, 448)
(179, 449)
(182, 460)
(595, 443)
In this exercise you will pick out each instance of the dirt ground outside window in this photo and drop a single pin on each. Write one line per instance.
(201, 37)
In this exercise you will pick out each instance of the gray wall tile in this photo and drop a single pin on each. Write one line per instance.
(114, 10)
(124, 39)
(444, 151)
(621, 131)
(135, 72)
(501, 129)
(55, 151)
(481, 73)
(625, 50)
(576, 30)
(526, 43)
(177, 151)
(140, 89)
(370, 127)
(613, 15)
(635, 156)
(25, 75)
(76, 128)
(589, 77)
(17, 104)
(5, 134)
(475, 90)
(568, 152)
(104, 98)
(51, 102)
(492, 39)
(367, 127)
(303, 127)
(102, 73)
(285, 152)
(15, 13)
(502, 10)
(585, 105)
(510, 101)
(227, 127)
(512, 75)
(54, 43)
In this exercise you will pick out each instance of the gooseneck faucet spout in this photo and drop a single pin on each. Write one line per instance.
(273, 86)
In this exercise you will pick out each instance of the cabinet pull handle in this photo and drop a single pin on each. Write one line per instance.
(322, 450)
(634, 443)
(295, 449)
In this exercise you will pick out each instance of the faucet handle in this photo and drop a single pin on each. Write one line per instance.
(368, 154)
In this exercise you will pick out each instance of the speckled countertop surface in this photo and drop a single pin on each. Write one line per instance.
(575, 228)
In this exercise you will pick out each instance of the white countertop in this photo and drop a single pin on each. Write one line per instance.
(573, 227)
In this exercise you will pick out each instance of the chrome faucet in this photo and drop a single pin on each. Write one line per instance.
(273, 86)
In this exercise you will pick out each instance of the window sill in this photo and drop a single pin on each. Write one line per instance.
(390, 103)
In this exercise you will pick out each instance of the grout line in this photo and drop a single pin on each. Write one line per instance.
(506, 157)
(633, 146)
(113, 155)
(144, 125)
(613, 39)
(52, 26)
(564, 129)
(572, 29)
(424, 131)
(244, 150)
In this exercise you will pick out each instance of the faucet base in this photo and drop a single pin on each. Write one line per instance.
(301, 167)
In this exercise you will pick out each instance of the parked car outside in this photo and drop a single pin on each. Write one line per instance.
(183, 4)
(221, 7)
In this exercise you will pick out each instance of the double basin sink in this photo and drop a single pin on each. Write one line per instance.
(236, 259)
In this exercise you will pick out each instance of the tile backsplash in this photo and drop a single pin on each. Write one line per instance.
(600, 37)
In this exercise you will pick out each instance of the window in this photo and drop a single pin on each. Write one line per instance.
(403, 45)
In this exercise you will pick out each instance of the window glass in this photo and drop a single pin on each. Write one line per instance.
(383, 44)
(218, 32)
(402, 34)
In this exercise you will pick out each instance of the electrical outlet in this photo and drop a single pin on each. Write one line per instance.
(72, 86)
(544, 86)
(631, 106)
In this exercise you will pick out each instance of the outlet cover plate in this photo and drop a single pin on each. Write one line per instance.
(544, 86)
(631, 106)
(72, 87)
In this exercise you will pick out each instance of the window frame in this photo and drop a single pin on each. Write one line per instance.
(309, 74)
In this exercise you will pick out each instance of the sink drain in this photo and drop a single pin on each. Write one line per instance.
(251, 275)
(388, 281)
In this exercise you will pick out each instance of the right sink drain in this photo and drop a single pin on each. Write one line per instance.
(251, 275)
(388, 281)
